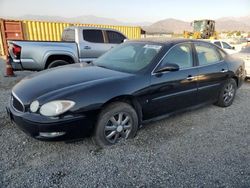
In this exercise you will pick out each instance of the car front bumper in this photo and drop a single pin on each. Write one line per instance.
(45, 128)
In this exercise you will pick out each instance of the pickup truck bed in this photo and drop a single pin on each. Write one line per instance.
(30, 58)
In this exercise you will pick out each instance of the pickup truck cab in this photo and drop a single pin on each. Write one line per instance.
(79, 44)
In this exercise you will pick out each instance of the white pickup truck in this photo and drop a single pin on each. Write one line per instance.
(79, 44)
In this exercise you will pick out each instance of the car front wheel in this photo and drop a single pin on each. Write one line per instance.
(118, 121)
(227, 93)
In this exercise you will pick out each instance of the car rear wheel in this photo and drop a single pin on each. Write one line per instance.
(57, 63)
(227, 93)
(118, 121)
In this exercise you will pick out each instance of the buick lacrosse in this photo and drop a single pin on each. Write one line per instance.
(135, 82)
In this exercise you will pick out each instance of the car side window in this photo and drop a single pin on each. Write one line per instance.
(115, 37)
(218, 43)
(93, 35)
(226, 46)
(207, 54)
(181, 55)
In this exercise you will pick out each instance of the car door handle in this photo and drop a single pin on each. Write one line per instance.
(87, 47)
(223, 70)
(190, 78)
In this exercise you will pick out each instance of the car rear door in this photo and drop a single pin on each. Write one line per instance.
(213, 71)
(93, 44)
(172, 91)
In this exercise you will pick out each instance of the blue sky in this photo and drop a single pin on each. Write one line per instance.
(128, 10)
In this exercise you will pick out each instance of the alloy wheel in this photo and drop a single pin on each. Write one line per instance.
(118, 127)
(229, 92)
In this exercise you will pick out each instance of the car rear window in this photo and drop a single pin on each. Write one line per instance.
(68, 35)
(93, 35)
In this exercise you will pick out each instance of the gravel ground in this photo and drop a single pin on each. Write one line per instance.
(208, 147)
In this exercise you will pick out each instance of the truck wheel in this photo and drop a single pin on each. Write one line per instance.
(57, 63)
(118, 121)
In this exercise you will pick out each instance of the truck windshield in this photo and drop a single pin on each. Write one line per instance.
(199, 26)
(129, 57)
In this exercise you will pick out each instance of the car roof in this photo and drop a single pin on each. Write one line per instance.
(166, 41)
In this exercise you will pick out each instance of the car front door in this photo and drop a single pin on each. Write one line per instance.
(213, 71)
(93, 44)
(113, 38)
(174, 90)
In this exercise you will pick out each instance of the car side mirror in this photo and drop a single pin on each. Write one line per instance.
(168, 67)
(233, 47)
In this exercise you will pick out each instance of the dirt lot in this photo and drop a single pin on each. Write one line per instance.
(208, 147)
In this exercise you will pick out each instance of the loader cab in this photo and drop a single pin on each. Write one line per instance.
(206, 28)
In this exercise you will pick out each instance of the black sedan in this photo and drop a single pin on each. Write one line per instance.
(137, 81)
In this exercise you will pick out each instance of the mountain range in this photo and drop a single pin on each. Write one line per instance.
(221, 24)
(88, 19)
(166, 25)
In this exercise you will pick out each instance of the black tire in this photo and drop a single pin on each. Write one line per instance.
(57, 63)
(106, 125)
(227, 93)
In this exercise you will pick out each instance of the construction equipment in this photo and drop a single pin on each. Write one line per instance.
(202, 29)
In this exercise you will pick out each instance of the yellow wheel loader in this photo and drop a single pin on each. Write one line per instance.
(202, 29)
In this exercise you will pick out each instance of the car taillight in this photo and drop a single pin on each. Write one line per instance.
(16, 51)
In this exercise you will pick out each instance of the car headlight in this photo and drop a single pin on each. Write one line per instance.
(55, 108)
(34, 106)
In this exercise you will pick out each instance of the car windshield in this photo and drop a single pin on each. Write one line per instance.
(245, 50)
(129, 57)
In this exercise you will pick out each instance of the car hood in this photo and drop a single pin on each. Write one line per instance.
(61, 78)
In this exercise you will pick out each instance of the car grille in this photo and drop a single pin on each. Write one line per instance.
(17, 104)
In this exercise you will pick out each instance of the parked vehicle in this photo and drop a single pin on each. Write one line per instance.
(136, 82)
(245, 55)
(79, 44)
(225, 46)
(248, 38)
(202, 29)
